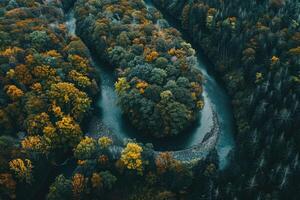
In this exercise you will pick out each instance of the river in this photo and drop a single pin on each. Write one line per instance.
(216, 100)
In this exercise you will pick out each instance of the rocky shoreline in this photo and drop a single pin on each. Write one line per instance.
(192, 154)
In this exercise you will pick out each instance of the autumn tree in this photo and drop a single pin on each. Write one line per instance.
(132, 157)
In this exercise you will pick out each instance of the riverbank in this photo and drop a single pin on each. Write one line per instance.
(110, 122)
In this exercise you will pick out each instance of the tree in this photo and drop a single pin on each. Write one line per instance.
(14, 92)
(79, 79)
(175, 115)
(22, 169)
(78, 184)
(141, 86)
(131, 157)
(70, 99)
(158, 76)
(66, 134)
(108, 179)
(151, 56)
(39, 39)
(23, 74)
(79, 63)
(33, 143)
(85, 149)
(60, 189)
(7, 186)
(121, 85)
(122, 39)
(104, 142)
(35, 124)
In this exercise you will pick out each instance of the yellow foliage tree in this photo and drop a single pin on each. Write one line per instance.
(35, 124)
(33, 143)
(11, 51)
(70, 99)
(132, 157)
(14, 92)
(66, 134)
(22, 169)
(104, 142)
(43, 72)
(57, 110)
(152, 56)
(142, 85)
(80, 79)
(121, 85)
(81, 64)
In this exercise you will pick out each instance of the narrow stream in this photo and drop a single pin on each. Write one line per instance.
(215, 98)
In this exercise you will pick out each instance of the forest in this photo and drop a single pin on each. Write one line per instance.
(149, 100)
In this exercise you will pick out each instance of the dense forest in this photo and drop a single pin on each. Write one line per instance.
(162, 56)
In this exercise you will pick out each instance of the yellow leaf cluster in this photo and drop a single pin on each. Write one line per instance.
(132, 157)
(179, 53)
(79, 78)
(104, 142)
(200, 104)
(274, 60)
(259, 77)
(86, 141)
(57, 110)
(196, 88)
(29, 59)
(152, 56)
(35, 124)
(53, 53)
(81, 162)
(10, 51)
(81, 64)
(65, 123)
(21, 168)
(32, 143)
(49, 131)
(10, 73)
(44, 71)
(142, 85)
(121, 85)
(14, 92)
(37, 87)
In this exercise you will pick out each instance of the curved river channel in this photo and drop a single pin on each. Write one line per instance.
(109, 118)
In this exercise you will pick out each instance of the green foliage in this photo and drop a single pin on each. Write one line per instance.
(108, 179)
(39, 39)
(149, 54)
(254, 45)
(60, 189)
(85, 149)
